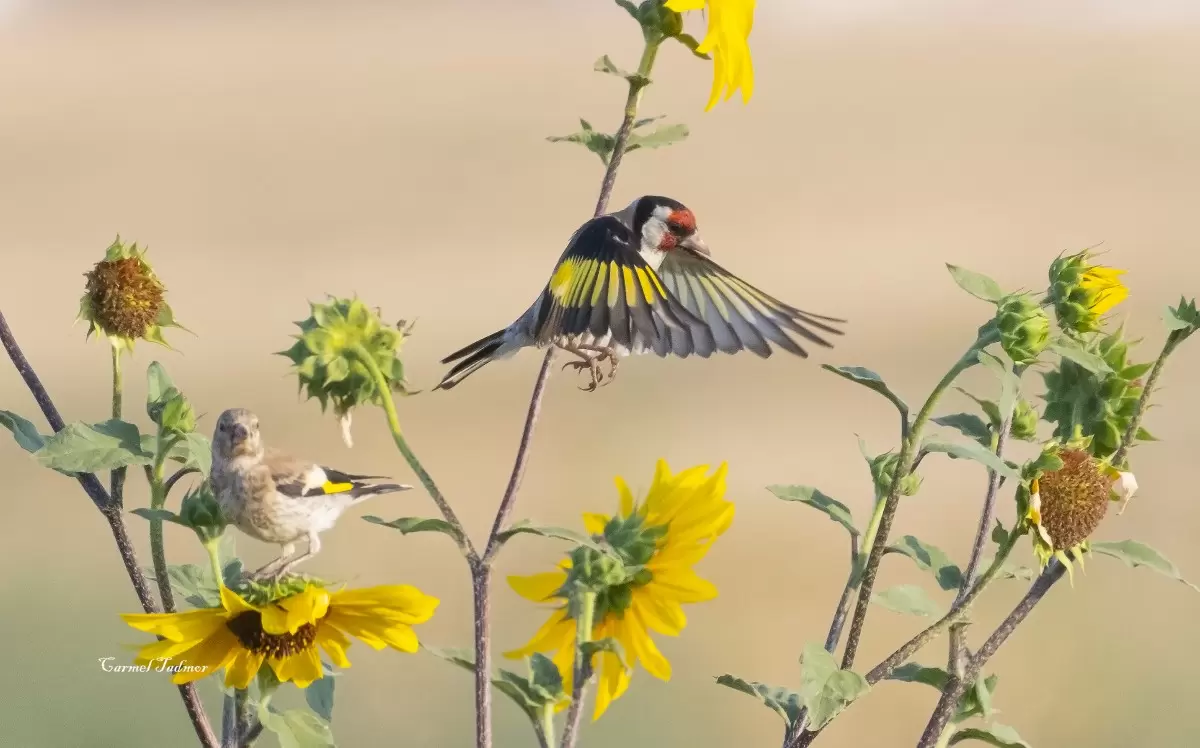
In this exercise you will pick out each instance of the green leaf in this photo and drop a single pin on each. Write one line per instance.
(782, 701)
(978, 285)
(907, 598)
(967, 424)
(607, 644)
(1137, 554)
(929, 558)
(193, 451)
(1009, 382)
(660, 137)
(606, 65)
(972, 451)
(319, 694)
(1001, 736)
(990, 409)
(1073, 350)
(630, 8)
(84, 448)
(690, 42)
(870, 380)
(166, 515)
(834, 509)
(545, 679)
(824, 688)
(409, 525)
(526, 527)
(601, 144)
(977, 701)
(911, 672)
(519, 688)
(195, 584)
(23, 431)
(296, 728)
(1183, 317)
(159, 387)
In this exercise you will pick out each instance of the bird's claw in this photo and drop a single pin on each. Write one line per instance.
(593, 366)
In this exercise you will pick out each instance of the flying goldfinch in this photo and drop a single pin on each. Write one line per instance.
(641, 281)
(277, 498)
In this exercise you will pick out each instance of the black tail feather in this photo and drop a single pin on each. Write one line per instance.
(473, 357)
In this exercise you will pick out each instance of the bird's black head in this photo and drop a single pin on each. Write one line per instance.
(665, 224)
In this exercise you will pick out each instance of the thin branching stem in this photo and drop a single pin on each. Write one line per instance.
(112, 514)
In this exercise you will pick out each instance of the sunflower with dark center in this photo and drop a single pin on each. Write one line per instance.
(286, 634)
(1067, 505)
(124, 300)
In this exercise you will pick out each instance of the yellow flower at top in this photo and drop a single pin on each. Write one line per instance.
(285, 633)
(1082, 292)
(728, 41)
(663, 537)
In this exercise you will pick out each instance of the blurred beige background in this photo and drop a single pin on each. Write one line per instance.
(271, 152)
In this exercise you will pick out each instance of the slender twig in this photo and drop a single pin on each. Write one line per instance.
(908, 450)
(1135, 423)
(252, 735)
(230, 737)
(957, 686)
(116, 491)
(112, 514)
(158, 551)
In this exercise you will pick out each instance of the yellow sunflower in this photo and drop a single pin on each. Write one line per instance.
(285, 633)
(663, 537)
(1082, 291)
(728, 40)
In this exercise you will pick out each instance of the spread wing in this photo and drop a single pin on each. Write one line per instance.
(733, 315)
(300, 479)
(602, 286)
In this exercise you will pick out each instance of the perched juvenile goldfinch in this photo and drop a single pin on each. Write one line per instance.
(277, 498)
(641, 281)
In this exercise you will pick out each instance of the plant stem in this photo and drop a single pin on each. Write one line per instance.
(908, 452)
(584, 624)
(1135, 423)
(957, 686)
(637, 85)
(116, 491)
(112, 514)
(393, 419)
(158, 499)
(543, 728)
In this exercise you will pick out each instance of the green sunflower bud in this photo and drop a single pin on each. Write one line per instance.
(1100, 406)
(1082, 292)
(176, 415)
(201, 512)
(883, 472)
(124, 300)
(343, 353)
(659, 20)
(595, 570)
(1024, 327)
(1024, 421)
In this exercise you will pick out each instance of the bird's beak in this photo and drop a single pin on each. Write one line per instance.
(240, 433)
(696, 244)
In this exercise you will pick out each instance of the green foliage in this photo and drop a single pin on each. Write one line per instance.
(976, 701)
(1137, 554)
(335, 350)
(1001, 736)
(603, 144)
(967, 424)
(607, 644)
(409, 525)
(199, 511)
(782, 701)
(825, 689)
(90, 448)
(526, 527)
(296, 728)
(1101, 405)
(1183, 320)
(834, 509)
(1024, 327)
(542, 687)
(972, 451)
(319, 694)
(929, 557)
(871, 381)
(23, 431)
(977, 284)
(907, 598)
(883, 473)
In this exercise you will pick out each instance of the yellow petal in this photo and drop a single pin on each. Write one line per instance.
(683, 585)
(240, 672)
(558, 631)
(334, 643)
(594, 523)
(233, 603)
(614, 681)
(208, 657)
(539, 588)
(194, 625)
(161, 650)
(302, 668)
(289, 614)
(661, 615)
(627, 500)
(683, 6)
(400, 602)
(636, 640)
